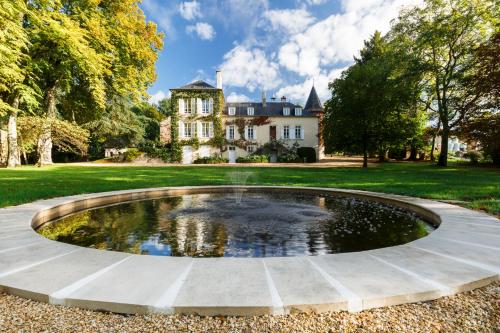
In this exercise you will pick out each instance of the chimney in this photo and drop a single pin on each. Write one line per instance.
(263, 99)
(283, 99)
(218, 79)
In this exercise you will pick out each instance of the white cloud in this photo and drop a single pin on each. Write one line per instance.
(339, 37)
(204, 30)
(299, 92)
(317, 2)
(190, 10)
(234, 97)
(289, 20)
(162, 16)
(250, 68)
(158, 96)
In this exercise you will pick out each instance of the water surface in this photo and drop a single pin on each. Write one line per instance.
(240, 225)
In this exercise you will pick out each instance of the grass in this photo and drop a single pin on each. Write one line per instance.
(478, 186)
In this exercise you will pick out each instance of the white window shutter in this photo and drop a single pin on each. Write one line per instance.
(198, 105)
(282, 129)
(193, 130)
(246, 132)
(181, 106)
(227, 132)
(200, 133)
(255, 132)
(292, 133)
(211, 105)
(211, 126)
(302, 133)
(181, 129)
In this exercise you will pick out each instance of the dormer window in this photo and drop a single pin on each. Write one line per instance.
(298, 111)
(231, 111)
(286, 111)
(250, 111)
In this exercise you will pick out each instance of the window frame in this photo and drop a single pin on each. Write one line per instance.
(286, 111)
(205, 103)
(250, 111)
(252, 128)
(286, 132)
(188, 106)
(299, 127)
(205, 126)
(231, 110)
(231, 131)
(298, 112)
(188, 127)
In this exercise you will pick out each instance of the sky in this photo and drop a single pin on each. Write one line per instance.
(281, 47)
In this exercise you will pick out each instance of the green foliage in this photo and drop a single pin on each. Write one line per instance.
(307, 154)
(253, 159)
(373, 104)
(131, 154)
(161, 150)
(473, 156)
(484, 129)
(216, 159)
(442, 37)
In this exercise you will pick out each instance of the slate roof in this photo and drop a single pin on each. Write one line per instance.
(272, 109)
(196, 85)
(313, 103)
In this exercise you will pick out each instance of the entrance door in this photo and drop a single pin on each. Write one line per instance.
(272, 132)
(232, 154)
(187, 155)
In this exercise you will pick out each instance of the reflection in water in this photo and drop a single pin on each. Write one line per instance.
(260, 225)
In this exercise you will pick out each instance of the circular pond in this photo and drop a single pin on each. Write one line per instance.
(240, 224)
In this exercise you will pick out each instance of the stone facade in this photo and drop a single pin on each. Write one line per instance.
(205, 125)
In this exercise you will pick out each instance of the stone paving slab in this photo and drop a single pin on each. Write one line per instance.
(301, 286)
(48, 278)
(139, 284)
(216, 286)
(373, 283)
(463, 253)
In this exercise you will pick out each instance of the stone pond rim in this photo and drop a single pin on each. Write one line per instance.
(462, 254)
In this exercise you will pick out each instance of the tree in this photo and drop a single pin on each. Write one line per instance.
(15, 88)
(443, 35)
(373, 104)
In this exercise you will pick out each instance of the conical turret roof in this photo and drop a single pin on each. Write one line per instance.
(313, 103)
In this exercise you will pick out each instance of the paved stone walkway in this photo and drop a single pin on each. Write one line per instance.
(462, 254)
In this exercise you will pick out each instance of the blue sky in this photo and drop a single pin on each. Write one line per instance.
(280, 46)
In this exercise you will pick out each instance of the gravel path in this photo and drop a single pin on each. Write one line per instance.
(474, 311)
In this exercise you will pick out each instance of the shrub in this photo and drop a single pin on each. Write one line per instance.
(131, 154)
(156, 149)
(254, 158)
(473, 156)
(307, 154)
(210, 160)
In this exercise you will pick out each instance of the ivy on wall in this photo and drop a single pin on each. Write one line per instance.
(216, 118)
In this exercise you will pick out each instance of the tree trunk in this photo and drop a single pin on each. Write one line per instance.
(413, 154)
(365, 153)
(44, 148)
(13, 150)
(434, 140)
(443, 155)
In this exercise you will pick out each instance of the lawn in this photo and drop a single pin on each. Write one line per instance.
(478, 186)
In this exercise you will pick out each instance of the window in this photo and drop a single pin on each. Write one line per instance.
(188, 105)
(230, 134)
(250, 133)
(286, 132)
(250, 111)
(298, 111)
(250, 149)
(298, 132)
(286, 111)
(205, 106)
(231, 110)
(188, 130)
(205, 130)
